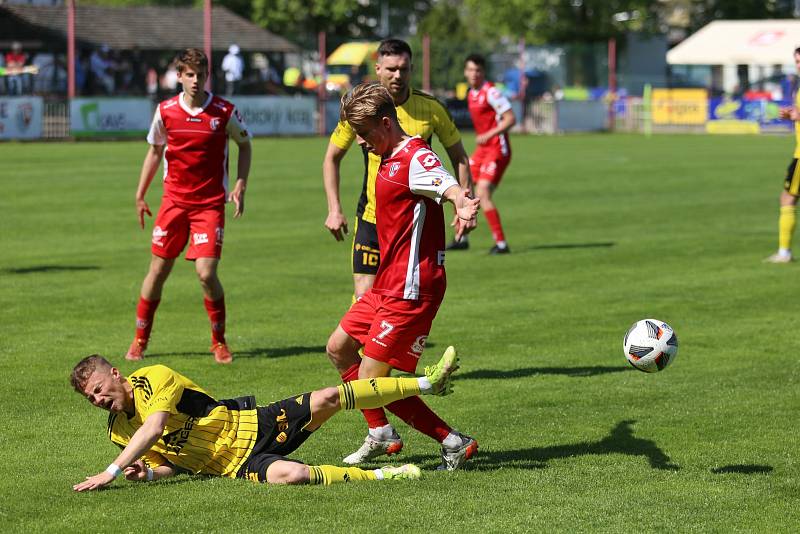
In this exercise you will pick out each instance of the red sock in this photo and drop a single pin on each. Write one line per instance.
(145, 311)
(375, 416)
(493, 218)
(216, 314)
(416, 413)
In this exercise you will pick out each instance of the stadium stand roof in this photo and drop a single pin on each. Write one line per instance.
(739, 42)
(142, 27)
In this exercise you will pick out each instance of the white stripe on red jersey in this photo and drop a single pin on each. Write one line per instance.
(409, 190)
(486, 106)
(196, 157)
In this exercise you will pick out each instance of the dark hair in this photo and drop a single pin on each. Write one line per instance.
(797, 50)
(478, 59)
(394, 47)
(84, 369)
(194, 58)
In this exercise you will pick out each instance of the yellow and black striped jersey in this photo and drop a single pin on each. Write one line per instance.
(202, 435)
(421, 114)
(797, 127)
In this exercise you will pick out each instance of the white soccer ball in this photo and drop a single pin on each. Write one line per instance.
(650, 345)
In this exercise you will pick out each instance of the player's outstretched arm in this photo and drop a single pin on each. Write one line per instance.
(466, 209)
(460, 161)
(141, 441)
(336, 222)
(243, 172)
(149, 167)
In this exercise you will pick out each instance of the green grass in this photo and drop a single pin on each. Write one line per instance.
(604, 230)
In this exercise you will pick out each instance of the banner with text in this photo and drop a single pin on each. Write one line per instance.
(21, 117)
(278, 115)
(110, 117)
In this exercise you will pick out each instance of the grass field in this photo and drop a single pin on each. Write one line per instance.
(605, 230)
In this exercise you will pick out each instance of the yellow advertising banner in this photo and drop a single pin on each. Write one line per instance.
(679, 106)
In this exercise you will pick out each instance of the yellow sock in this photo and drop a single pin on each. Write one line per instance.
(330, 474)
(786, 224)
(376, 392)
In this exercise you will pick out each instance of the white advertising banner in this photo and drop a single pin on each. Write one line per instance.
(21, 117)
(278, 115)
(110, 117)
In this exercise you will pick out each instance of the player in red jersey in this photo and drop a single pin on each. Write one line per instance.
(492, 117)
(190, 132)
(392, 320)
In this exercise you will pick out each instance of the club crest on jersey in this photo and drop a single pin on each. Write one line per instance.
(214, 123)
(419, 345)
(429, 160)
(393, 168)
(436, 182)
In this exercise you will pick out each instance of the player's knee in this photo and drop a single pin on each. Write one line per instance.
(284, 472)
(207, 277)
(326, 399)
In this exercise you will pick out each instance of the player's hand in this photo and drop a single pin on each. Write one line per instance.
(467, 215)
(136, 472)
(141, 209)
(483, 138)
(98, 481)
(336, 223)
(237, 197)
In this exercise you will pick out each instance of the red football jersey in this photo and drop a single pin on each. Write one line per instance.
(409, 190)
(196, 157)
(486, 105)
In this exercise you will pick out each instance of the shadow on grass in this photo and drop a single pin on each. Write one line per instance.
(266, 352)
(562, 246)
(742, 469)
(532, 371)
(619, 441)
(50, 269)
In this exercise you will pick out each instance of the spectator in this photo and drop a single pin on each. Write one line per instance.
(233, 65)
(102, 68)
(15, 61)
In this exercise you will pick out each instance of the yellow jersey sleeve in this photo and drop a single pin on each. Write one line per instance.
(443, 126)
(157, 389)
(343, 135)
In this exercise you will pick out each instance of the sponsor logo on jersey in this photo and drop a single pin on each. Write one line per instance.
(200, 239)
(429, 160)
(158, 233)
(214, 123)
(193, 119)
(436, 182)
(393, 168)
(220, 235)
(141, 323)
(174, 441)
(440, 257)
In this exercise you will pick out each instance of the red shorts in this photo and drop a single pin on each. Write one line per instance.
(174, 225)
(392, 330)
(488, 164)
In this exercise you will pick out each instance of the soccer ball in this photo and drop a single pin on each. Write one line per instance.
(650, 345)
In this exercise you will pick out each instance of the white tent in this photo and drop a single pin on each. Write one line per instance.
(739, 42)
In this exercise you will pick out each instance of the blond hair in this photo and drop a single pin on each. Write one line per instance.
(366, 104)
(84, 369)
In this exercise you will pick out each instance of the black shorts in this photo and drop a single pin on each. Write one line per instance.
(281, 430)
(366, 254)
(792, 182)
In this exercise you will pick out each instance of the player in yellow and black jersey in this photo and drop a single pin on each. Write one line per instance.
(165, 423)
(787, 219)
(419, 114)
